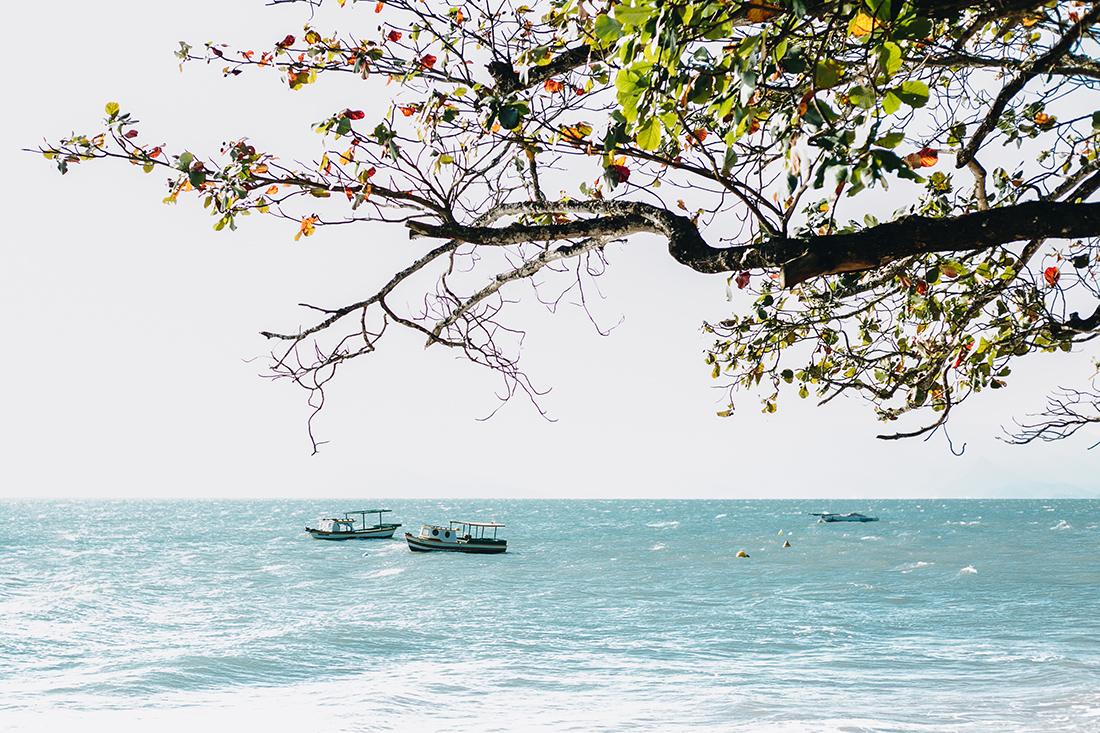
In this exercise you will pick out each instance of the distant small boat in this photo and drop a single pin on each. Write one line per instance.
(853, 517)
(345, 529)
(458, 537)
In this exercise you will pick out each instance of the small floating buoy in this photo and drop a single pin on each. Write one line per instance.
(786, 544)
(780, 531)
(742, 553)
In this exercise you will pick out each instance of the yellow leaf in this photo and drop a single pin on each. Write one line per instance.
(862, 25)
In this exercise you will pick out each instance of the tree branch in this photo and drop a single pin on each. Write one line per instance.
(798, 259)
(1029, 71)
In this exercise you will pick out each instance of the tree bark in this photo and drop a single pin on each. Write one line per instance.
(798, 259)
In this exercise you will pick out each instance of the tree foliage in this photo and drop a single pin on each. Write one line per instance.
(514, 143)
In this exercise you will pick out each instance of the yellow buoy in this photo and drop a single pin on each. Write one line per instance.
(742, 553)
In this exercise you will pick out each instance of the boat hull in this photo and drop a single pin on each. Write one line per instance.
(379, 533)
(474, 546)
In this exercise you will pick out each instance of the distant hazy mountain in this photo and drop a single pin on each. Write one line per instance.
(987, 480)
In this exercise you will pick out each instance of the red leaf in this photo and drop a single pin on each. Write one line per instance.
(354, 114)
(393, 36)
(378, 6)
(1051, 275)
(130, 134)
(427, 61)
(288, 41)
(742, 280)
(620, 173)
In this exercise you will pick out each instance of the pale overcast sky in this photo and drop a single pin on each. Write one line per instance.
(129, 325)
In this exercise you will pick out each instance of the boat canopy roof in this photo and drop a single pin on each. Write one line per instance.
(476, 524)
(367, 511)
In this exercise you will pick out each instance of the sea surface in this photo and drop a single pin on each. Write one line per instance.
(979, 615)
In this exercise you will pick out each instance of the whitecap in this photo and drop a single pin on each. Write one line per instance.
(720, 516)
(658, 546)
(968, 570)
(1061, 525)
(386, 572)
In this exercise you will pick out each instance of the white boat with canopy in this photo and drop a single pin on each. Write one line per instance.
(458, 536)
(345, 529)
(853, 517)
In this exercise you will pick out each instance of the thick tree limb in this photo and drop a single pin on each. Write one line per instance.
(797, 259)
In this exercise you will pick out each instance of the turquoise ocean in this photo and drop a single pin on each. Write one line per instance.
(967, 615)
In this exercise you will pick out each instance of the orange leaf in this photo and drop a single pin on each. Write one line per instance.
(307, 228)
(427, 61)
(272, 191)
(408, 111)
(553, 86)
(928, 157)
(760, 13)
(393, 36)
(1051, 275)
(378, 6)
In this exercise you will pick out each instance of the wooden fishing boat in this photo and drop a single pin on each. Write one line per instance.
(345, 529)
(458, 536)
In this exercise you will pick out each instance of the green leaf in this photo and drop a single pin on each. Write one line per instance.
(862, 97)
(913, 93)
(649, 134)
(890, 58)
(184, 161)
(891, 140)
(635, 16)
(827, 73)
(511, 115)
(607, 29)
(891, 103)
